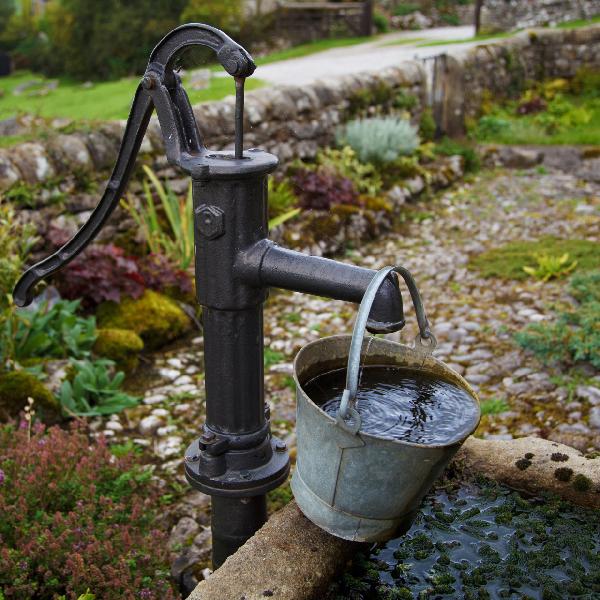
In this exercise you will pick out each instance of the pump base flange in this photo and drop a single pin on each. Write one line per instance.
(237, 482)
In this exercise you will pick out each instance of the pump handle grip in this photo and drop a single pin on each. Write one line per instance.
(171, 102)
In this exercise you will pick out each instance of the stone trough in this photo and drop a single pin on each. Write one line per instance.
(292, 559)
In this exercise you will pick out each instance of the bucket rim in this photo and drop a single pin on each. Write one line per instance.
(464, 384)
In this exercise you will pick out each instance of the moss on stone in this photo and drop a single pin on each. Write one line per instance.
(16, 387)
(157, 319)
(563, 473)
(120, 345)
(582, 483)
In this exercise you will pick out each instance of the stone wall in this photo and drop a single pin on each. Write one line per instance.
(502, 69)
(507, 15)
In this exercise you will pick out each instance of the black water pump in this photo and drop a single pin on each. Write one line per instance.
(236, 459)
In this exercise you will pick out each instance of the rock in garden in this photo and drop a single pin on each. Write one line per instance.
(148, 425)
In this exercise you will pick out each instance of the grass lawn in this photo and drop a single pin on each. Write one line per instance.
(404, 41)
(103, 101)
(579, 23)
(112, 99)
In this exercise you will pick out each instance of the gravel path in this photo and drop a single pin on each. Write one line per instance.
(473, 318)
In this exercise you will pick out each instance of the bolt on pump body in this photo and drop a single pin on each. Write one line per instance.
(235, 459)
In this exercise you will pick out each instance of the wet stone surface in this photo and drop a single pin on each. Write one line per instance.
(473, 318)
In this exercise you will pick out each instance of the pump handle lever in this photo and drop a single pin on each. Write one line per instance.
(161, 89)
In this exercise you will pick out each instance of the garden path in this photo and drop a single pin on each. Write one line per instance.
(380, 53)
(473, 318)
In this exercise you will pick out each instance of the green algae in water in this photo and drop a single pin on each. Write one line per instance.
(484, 542)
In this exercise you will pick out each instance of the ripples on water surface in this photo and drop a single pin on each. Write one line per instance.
(401, 404)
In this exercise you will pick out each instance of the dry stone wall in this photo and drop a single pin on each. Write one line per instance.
(293, 122)
(507, 15)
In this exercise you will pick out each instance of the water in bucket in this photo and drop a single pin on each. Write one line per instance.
(401, 404)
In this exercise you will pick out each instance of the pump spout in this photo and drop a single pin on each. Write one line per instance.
(268, 265)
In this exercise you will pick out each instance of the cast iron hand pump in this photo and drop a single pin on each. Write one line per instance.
(236, 459)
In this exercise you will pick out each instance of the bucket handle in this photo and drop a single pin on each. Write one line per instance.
(347, 410)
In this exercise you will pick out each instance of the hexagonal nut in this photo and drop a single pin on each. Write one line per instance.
(210, 221)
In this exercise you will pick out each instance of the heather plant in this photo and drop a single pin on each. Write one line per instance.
(167, 225)
(575, 335)
(379, 140)
(92, 391)
(345, 163)
(321, 189)
(76, 519)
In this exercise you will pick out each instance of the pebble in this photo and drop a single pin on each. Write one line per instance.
(183, 532)
(162, 431)
(108, 433)
(114, 426)
(154, 399)
(171, 374)
(168, 447)
(176, 363)
(148, 425)
(594, 417)
(183, 380)
(182, 408)
(589, 393)
(160, 412)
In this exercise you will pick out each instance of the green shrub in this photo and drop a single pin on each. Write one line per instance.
(427, 126)
(380, 22)
(575, 336)
(75, 517)
(449, 147)
(490, 126)
(344, 162)
(405, 101)
(93, 391)
(379, 140)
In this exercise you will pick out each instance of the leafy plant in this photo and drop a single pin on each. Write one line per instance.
(321, 189)
(175, 237)
(49, 332)
(75, 517)
(380, 22)
(345, 163)
(494, 406)
(550, 267)
(379, 140)
(282, 198)
(101, 273)
(281, 219)
(159, 273)
(575, 336)
(92, 391)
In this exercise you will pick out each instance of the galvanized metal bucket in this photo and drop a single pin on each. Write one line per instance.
(355, 485)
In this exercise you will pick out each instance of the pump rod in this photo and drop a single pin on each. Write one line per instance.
(239, 117)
